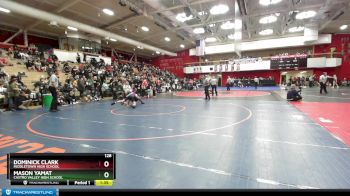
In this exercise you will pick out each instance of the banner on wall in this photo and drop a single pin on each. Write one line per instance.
(249, 65)
(322, 62)
(71, 56)
(230, 67)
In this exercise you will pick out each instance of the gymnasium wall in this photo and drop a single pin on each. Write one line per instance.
(265, 74)
(259, 53)
(175, 64)
(37, 40)
(342, 44)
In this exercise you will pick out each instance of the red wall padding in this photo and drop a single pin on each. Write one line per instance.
(342, 43)
(175, 64)
(19, 40)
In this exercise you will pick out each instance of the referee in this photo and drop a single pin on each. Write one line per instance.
(53, 86)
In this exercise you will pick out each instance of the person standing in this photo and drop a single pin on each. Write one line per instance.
(206, 88)
(176, 81)
(256, 82)
(335, 81)
(53, 86)
(311, 80)
(214, 84)
(228, 83)
(323, 81)
(13, 93)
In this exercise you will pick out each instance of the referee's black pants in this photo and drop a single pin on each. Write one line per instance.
(54, 102)
(323, 87)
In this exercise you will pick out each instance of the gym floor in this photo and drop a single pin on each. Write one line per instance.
(241, 139)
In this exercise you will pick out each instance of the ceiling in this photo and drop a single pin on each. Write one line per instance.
(160, 17)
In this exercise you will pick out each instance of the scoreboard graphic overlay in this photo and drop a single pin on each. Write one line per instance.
(77, 169)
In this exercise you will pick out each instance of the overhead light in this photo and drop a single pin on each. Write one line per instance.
(268, 19)
(236, 36)
(182, 46)
(167, 39)
(296, 29)
(219, 9)
(238, 24)
(343, 27)
(202, 13)
(125, 29)
(140, 47)
(268, 2)
(206, 60)
(113, 40)
(266, 32)
(210, 39)
(108, 12)
(228, 25)
(305, 15)
(182, 17)
(144, 28)
(157, 52)
(199, 30)
(212, 25)
(4, 10)
(72, 28)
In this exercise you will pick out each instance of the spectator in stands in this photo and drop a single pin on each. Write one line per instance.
(3, 75)
(293, 94)
(78, 58)
(323, 82)
(23, 100)
(3, 93)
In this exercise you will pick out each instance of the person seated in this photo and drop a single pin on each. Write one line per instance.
(3, 62)
(23, 101)
(30, 65)
(293, 94)
(66, 68)
(3, 91)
